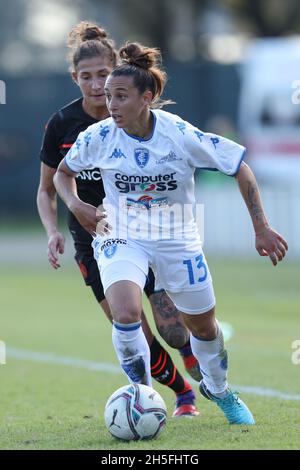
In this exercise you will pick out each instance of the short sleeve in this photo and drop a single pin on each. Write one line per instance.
(84, 153)
(50, 154)
(213, 152)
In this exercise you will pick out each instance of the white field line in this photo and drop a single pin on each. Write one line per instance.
(49, 358)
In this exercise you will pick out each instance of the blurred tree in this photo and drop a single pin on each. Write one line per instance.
(154, 22)
(268, 17)
(11, 18)
(32, 33)
(146, 21)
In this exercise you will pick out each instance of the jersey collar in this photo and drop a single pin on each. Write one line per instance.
(140, 139)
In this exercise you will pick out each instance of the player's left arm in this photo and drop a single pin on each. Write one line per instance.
(268, 242)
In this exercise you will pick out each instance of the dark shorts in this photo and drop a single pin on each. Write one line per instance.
(87, 264)
(90, 273)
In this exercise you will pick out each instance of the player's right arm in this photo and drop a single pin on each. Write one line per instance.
(47, 207)
(46, 196)
(86, 214)
(81, 156)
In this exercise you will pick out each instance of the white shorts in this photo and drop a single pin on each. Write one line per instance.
(193, 303)
(179, 267)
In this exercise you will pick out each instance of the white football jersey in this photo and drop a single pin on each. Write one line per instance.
(152, 176)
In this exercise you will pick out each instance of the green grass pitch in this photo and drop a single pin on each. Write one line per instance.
(54, 406)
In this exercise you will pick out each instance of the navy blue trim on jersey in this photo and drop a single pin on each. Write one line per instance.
(239, 164)
(140, 138)
(206, 168)
(216, 169)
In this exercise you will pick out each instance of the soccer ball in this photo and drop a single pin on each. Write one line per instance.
(135, 412)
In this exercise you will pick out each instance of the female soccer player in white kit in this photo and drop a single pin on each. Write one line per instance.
(147, 160)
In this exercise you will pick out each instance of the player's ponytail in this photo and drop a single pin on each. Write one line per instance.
(144, 65)
(135, 54)
(88, 40)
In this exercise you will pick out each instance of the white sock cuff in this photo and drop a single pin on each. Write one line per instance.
(215, 345)
(127, 326)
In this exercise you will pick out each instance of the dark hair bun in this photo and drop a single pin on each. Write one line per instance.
(85, 31)
(139, 56)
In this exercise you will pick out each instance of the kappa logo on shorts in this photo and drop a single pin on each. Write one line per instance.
(141, 157)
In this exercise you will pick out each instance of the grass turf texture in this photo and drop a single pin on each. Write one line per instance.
(46, 406)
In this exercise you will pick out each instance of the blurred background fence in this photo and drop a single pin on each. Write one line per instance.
(205, 46)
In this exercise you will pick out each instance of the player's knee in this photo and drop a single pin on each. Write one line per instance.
(207, 332)
(126, 315)
(176, 336)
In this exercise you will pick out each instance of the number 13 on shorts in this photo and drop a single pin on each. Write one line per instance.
(197, 269)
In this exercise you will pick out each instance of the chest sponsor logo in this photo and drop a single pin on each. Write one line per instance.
(147, 202)
(144, 183)
(141, 157)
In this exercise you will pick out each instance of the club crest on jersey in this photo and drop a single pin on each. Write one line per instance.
(109, 251)
(141, 157)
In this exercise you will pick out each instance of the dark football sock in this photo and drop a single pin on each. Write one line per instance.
(186, 350)
(164, 370)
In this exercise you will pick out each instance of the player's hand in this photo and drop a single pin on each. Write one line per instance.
(272, 244)
(91, 218)
(56, 245)
(103, 227)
